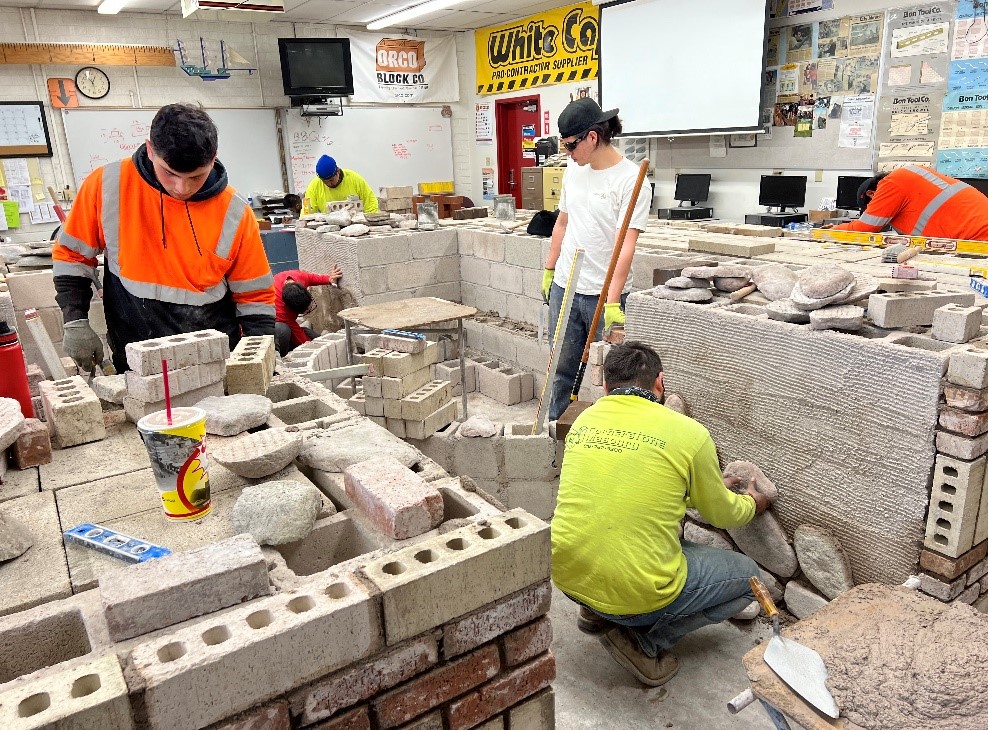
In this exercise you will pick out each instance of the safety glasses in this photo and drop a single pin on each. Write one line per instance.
(570, 146)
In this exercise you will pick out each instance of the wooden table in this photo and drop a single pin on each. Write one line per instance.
(411, 314)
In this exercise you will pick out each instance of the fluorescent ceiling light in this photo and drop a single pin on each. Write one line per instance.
(416, 11)
(110, 7)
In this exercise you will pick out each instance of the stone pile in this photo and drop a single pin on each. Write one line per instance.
(821, 295)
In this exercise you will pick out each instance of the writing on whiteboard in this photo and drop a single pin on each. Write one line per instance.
(401, 151)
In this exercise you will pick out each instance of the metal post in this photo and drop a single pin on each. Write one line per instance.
(461, 344)
(349, 355)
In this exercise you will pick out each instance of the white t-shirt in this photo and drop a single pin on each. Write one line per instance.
(595, 202)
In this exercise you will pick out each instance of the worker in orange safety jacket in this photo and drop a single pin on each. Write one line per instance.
(182, 250)
(917, 201)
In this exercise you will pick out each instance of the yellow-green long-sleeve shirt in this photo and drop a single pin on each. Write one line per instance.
(319, 193)
(630, 470)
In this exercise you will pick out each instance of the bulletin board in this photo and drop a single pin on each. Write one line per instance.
(24, 130)
(387, 146)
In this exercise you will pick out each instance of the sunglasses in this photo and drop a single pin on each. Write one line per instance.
(570, 146)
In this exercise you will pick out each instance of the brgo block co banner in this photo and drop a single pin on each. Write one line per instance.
(393, 69)
(553, 47)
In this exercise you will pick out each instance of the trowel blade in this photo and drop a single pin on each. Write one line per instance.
(803, 670)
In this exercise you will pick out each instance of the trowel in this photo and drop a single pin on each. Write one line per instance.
(796, 664)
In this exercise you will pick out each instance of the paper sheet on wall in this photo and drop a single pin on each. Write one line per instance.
(922, 40)
(900, 75)
(16, 172)
(44, 213)
(798, 42)
(970, 39)
(964, 129)
(856, 122)
(11, 213)
(788, 83)
(22, 195)
(906, 149)
(718, 145)
(863, 34)
(909, 125)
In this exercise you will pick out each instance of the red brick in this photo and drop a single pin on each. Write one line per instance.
(497, 696)
(33, 446)
(494, 619)
(432, 721)
(527, 642)
(34, 376)
(267, 717)
(969, 424)
(356, 719)
(435, 687)
(950, 568)
(966, 399)
(397, 500)
(362, 680)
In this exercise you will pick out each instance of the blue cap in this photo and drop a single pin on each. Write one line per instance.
(326, 167)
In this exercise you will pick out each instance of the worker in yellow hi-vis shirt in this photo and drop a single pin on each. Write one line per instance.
(333, 183)
(632, 467)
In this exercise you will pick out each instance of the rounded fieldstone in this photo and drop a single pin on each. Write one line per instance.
(824, 280)
(229, 415)
(338, 218)
(11, 422)
(785, 311)
(355, 229)
(749, 612)
(864, 286)
(676, 402)
(697, 296)
(477, 427)
(751, 473)
(729, 283)
(823, 560)
(764, 541)
(700, 272)
(259, 454)
(799, 298)
(707, 536)
(774, 281)
(840, 317)
(275, 513)
(801, 600)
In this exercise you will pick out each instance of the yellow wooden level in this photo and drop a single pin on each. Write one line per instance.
(105, 54)
(945, 245)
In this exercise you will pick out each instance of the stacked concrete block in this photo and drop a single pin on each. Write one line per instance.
(953, 323)
(450, 370)
(505, 384)
(72, 412)
(731, 245)
(595, 362)
(251, 365)
(907, 309)
(398, 199)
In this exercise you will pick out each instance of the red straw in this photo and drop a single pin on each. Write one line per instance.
(168, 393)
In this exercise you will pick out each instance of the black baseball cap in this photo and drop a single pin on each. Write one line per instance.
(582, 114)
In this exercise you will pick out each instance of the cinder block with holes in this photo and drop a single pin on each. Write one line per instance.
(486, 561)
(968, 368)
(251, 365)
(151, 388)
(139, 599)
(505, 384)
(442, 416)
(397, 500)
(954, 503)
(209, 670)
(598, 351)
(526, 456)
(372, 359)
(398, 388)
(905, 309)
(88, 695)
(392, 408)
(425, 401)
(400, 364)
(954, 323)
(401, 344)
(136, 409)
(72, 412)
(181, 351)
(450, 370)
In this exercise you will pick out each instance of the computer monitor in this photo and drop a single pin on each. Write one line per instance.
(978, 183)
(847, 191)
(782, 191)
(691, 187)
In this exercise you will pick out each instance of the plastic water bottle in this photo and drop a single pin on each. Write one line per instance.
(13, 374)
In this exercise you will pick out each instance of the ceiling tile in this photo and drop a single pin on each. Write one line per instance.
(460, 20)
(366, 12)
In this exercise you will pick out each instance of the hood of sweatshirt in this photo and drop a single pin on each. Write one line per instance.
(215, 184)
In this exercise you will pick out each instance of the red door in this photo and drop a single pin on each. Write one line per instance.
(517, 126)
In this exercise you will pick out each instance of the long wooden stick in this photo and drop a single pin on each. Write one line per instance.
(619, 244)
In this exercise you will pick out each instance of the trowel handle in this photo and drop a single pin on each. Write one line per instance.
(763, 597)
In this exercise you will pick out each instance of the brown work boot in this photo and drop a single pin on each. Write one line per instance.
(626, 651)
(590, 623)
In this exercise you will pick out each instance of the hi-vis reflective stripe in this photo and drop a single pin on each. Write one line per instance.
(110, 214)
(874, 220)
(246, 310)
(259, 284)
(929, 176)
(77, 244)
(171, 294)
(231, 221)
(68, 268)
(934, 205)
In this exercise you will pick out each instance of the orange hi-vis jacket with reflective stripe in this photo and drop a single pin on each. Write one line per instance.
(917, 201)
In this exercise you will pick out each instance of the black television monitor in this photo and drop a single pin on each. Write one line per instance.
(782, 191)
(316, 66)
(847, 191)
(978, 183)
(692, 187)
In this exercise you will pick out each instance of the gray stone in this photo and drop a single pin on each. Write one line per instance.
(764, 541)
(707, 536)
(801, 600)
(799, 298)
(838, 317)
(14, 538)
(277, 512)
(824, 280)
(752, 473)
(9, 254)
(478, 427)
(775, 281)
(749, 612)
(333, 450)
(354, 230)
(726, 271)
(339, 218)
(775, 588)
(259, 454)
(110, 388)
(698, 296)
(785, 311)
(864, 286)
(685, 282)
(823, 560)
(729, 284)
(228, 415)
(11, 422)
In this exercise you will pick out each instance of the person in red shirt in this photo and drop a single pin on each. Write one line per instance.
(292, 299)
(917, 201)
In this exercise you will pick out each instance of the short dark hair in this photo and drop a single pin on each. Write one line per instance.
(631, 363)
(296, 297)
(868, 186)
(184, 136)
(606, 131)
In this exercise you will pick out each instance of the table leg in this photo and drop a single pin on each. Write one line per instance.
(461, 344)
(349, 355)
(777, 718)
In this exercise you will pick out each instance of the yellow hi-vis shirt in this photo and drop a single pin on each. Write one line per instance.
(319, 193)
(630, 470)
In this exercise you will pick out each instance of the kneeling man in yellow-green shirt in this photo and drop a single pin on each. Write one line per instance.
(632, 467)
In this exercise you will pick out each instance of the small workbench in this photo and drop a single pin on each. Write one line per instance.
(413, 315)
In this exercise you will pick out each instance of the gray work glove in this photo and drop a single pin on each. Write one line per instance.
(82, 344)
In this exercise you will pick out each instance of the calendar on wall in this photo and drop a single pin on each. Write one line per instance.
(24, 130)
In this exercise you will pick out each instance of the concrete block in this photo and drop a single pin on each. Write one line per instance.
(536, 497)
(374, 406)
(181, 351)
(90, 695)
(966, 424)
(950, 568)
(507, 278)
(398, 501)
(523, 252)
(475, 270)
(907, 309)
(486, 561)
(507, 690)
(438, 446)
(392, 409)
(450, 370)
(468, 632)
(968, 368)
(506, 385)
(251, 365)
(954, 503)
(953, 323)
(72, 412)
(398, 388)
(151, 388)
(209, 670)
(33, 445)
(400, 364)
(373, 387)
(139, 599)
(489, 246)
(121, 452)
(425, 401)
(31, 289)
(478, 457)
(538, 713)
(728, 245)
(528, 457)
(598, 351)
(442, 416)
(401, 344)
(358, 403)
(136, 409)
(395, 425)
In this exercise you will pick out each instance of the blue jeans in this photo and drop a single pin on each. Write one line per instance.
(716, 589)
(580, 319)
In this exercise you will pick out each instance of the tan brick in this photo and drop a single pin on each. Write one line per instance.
(505, 691)
(398, 501)
(493, 620)
(426, 400)
(527, 642)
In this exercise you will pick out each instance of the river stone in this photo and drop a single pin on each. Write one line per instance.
(749, 612)
(338, 218)
(228, 415)
(824, 280)
(11, 422)
(775, 281)
(839, 317)
(477, 427)
(699, 272)
(764, 541)
(808, 304)
(327, 228)
(823, 560)
(356, 229)
(708, 536)
(729, 283)
(277, 512)
(864, 286)
(676, 402)
(801, 600)
(775, 589)
(408, 225)
(785, 311)
(15, 538)
(685, 282)
(699, 296)
(11, 253)
(336, 449)
(752, 473)
(260, 454)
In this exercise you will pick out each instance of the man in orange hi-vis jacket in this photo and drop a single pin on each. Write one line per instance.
(916, 201)
(182, 250)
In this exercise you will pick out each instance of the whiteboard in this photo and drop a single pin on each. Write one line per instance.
(387, 146)
(248, 142)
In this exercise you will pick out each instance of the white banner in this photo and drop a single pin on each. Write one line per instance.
(396, 69)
